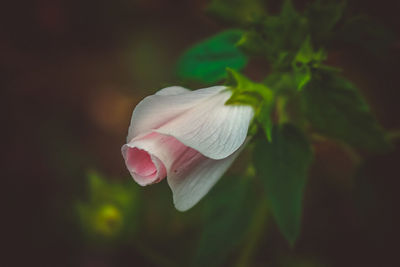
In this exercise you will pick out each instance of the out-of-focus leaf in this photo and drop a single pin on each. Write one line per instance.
(240, 84)
(103, 220)
(237, 11)
(306, 53)
(228, 212)
(335, 109)
(244, 91)
(281, 81)
(264, 117)
(323, 17)
(251, 93)
(283, 166)
(206, 61)
(368, 34)
(110, 211)
(302, 76)
(305, 59)
(277, 37)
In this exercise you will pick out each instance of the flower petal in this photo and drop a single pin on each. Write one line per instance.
(214, 129)
(173, 90)
(168, 103)
(166, 148)
(144, 168)
(193, 175)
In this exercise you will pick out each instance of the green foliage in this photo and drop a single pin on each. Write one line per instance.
(323, 17)
(257, 95)
(305, 59)
(237, 11)
(245, 92)
(302, 76)
(335, 108)
(306, 54)
(109, 213)
(226, 219)
(300, 93)
(277, 37)
(281, 82)
(242, 86)
(206, 61)
(283, 165)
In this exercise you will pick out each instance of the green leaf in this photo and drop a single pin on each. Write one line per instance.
(257, 95)
(307, 55)
(109, 214)
(227, 217)
(281, 82)
(283, 166)
(206, 61)
(236, 11)
(305, 59)
(302, 77)
(264, 117)
(241, 84)
(335, 109)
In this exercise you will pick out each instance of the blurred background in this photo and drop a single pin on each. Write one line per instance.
(71, 73)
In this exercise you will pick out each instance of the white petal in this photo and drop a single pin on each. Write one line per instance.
(190, 180)
(214, 129)
(173, 90)
(155, 110)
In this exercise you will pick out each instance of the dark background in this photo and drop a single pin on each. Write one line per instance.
(71, 73)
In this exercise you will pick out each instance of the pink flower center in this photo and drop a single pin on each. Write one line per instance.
(140, 162)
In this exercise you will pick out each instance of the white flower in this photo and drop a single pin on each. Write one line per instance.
(190, 137)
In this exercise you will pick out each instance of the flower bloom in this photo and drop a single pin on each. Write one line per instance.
(190, 137)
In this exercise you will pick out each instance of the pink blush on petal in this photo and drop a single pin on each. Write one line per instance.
(139, 162)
